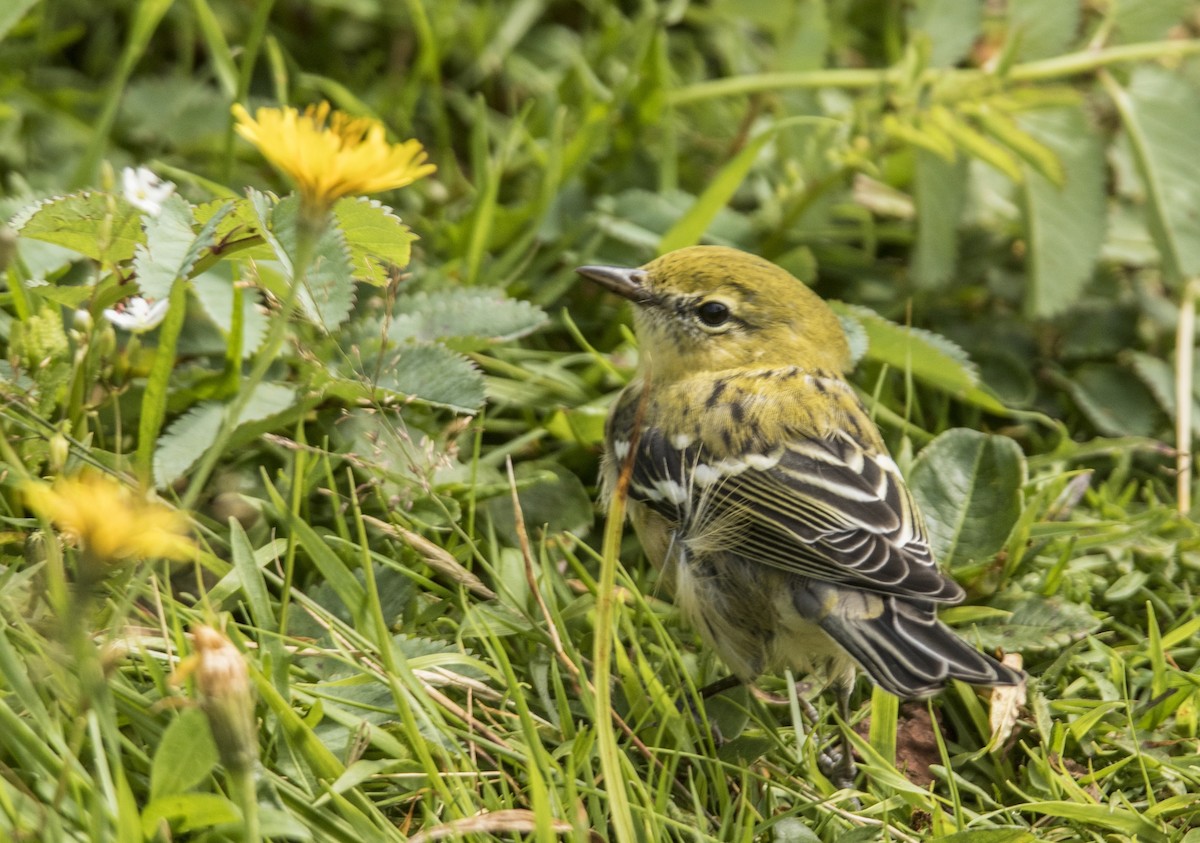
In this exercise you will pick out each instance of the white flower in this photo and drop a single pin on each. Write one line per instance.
(144, 190)
(138, 315)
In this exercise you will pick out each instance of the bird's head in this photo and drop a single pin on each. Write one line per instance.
(711, 308)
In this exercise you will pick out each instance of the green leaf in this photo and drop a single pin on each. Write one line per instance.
(792, 830)
(188, 812)
(695, 221)
(1159, 377)
(1038, 625)
(214, 291)
(12, 12)
(99, 226)
(968, 484)
(254, 586)
(940, 189)
(1100, 817)
(185, 756)
(474, 318)
(169, 251)
(930, 357)
(186, 440)
(1148, 20)
(555, 502)
(1161, 113)
(989, 835)
(433, 374)
(1114, 400)
(952, 26)
(975, 143)
(240, 221)
(327, 293)
(1064, 225)
(1043, 28)
(190, 435)
(334, 571)
(154, 400)
(380, 244)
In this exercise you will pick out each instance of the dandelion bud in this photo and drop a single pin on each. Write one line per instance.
(226, 697)
(60, 449)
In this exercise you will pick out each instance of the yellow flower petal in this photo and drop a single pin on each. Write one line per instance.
(331, 154)
(111, 522)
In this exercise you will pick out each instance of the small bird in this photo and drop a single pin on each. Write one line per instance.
(763, 491)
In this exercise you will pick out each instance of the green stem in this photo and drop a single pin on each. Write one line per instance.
(253, 43)
(306, 242)
(145, 20)
(1071, 64)
(242, 786)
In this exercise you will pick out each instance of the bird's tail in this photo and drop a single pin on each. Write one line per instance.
(906, 650)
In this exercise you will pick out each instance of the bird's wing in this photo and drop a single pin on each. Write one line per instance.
(824, 508)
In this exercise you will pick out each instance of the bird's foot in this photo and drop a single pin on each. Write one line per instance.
(838, 766)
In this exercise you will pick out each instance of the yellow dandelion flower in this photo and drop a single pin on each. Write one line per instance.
(331, 155)
(109, 521)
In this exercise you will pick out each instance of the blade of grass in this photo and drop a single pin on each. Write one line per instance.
(158, 384)
(145, 20)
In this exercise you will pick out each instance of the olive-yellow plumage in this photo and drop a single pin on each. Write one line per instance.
(763, 490)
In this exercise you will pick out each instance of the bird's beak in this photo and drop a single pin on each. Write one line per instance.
(627, 283)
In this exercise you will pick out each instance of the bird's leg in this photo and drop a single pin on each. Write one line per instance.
(837, 765)
(719, 686)
(830, 761)
(844, 773)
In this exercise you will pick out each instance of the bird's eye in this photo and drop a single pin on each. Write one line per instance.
(713, 313)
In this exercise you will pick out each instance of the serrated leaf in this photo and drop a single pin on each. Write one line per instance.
(484, 316)
(968, 484)
(185, 755)
(940, 190)
(190, 435)
(239, 221)
(100, 226)
(1042, 28)
(433, 374)
(380, 244)
(327, 292)
(1161, 113)
(1037, 625)
(185, 441)
(1064, 225)
(930, 357)
(951, 26)
(856, 337)
(172, 247)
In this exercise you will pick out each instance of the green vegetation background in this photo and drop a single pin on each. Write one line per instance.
(1003, 196)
